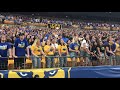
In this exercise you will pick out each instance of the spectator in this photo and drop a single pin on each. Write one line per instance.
(4, 49)
(19, 51)
(63, 51)
(85, 52)
(37, 52)
(110, 47)
(101, 53)
(117, 51)
(49, 51)
(74, 51)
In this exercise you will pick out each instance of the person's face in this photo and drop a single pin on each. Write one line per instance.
(101, 43)
(54, 40)
(69, 42)
(60, 36)
(22, 37)
(48, 42)
(95, 44)
(93, 38)
(76, 39)
(110, 38)
(38, 43)
(62, 41)
(3, 38)
(87, 37)
(117, 41)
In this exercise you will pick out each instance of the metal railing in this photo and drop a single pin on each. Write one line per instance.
(55, 62)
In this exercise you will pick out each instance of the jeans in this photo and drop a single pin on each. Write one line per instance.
(111, 58)
(117, 59)
(36, 61)
(73, 55)
(50, 62)
(63, 61)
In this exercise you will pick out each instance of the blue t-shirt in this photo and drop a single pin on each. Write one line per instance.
(112, 47)
(73, 46)
(4, 50)
(65, 39)
(20, 47)
(47, 35)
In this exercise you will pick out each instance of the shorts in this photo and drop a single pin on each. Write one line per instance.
(93, 58)
(84, 54)
(111, 57)
(73, 54)
(102, 56)
(117, 57)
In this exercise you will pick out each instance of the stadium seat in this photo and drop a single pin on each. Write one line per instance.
(28, 64)
(11, 64)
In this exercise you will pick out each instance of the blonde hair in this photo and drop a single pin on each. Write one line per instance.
(35, 42)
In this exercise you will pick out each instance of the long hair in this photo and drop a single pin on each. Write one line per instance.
(35, 42)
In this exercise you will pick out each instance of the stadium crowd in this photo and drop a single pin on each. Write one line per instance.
(90, 47)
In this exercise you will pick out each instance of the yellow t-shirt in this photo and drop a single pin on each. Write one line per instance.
(36, 50)
(117, 48)
(63, 49)
(47, 50)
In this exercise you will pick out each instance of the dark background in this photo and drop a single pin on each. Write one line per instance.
(96, 16)
(103, 14)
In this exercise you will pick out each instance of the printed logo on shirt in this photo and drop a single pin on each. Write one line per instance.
(76, 47)
(103, 48)
(4, 47)
(21, 45)
(64, 49)
(38, 50)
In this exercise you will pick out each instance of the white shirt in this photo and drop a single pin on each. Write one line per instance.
(84, 43)
(55, 45)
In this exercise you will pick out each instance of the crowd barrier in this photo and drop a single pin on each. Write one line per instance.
(70, 72)
(105, 71)
(27, 63)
